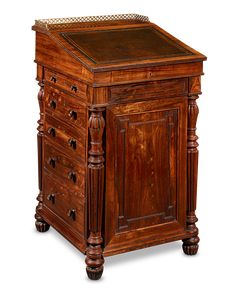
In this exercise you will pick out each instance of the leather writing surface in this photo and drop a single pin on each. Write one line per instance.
(121, 45)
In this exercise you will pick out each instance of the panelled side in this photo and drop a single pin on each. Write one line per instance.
(50, 54)
(145, 174)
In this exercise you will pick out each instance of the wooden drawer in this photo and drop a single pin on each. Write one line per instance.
(66, 203)
(149, 90)
(65, 107)
(72, 86)
(70, 171)
(73, 140)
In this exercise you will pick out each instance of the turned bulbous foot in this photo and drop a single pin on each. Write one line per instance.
(94, 273)
(41, 225)
(94, 258)
(190, 246)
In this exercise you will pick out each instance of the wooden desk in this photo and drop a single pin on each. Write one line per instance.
(117, 146)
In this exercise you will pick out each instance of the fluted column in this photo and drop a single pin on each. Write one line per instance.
(94, 257)
(190, 245)
(40, 224)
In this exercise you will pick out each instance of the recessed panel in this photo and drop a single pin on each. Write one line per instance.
(146, 169)
(122, 45)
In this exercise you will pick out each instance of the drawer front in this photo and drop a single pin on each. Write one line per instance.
(73, 140)
(71, 172)
(66, 203)
(70, 85)
(65, 107)
(148, 90)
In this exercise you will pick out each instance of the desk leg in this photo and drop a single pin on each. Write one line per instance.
(190, 245)
(94, 258)
(41, 225)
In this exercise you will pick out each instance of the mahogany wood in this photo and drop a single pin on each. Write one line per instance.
(40, 223)
(117, 143)
(94, 259)
(190, 245)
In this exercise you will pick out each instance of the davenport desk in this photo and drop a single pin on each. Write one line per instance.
(117, 147)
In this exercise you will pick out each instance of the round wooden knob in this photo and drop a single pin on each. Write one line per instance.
(72, 143)
(72, 176)
(72, 214)
(52, 162)
(74, 88)
(73, 114)
(52, 104)
(51, 198)
(53, 79)
(52, 131)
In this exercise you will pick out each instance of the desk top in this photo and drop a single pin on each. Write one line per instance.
(118, 41)
(126, 44)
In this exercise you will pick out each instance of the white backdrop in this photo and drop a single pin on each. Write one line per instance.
(34, 263)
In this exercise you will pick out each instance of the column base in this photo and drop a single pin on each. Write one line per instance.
(94, 273)
(190, 246)
(40, 224)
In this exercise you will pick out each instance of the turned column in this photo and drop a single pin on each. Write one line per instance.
(40, 224)
(94, 258)
(190, 245)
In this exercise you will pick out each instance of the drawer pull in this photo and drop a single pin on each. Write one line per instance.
(51, 198)
(52, 162)
(53, 79)
(72, 143)
(72, 214)
(74, 88)
(73, 114)
(52, 131)
(53, 104)
(72, 176)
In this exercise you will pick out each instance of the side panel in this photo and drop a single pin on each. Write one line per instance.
(145, 173)
(51, 55)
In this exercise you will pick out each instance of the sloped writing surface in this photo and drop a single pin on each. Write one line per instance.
(123, 45)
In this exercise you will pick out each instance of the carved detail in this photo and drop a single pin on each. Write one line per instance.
(195, 85)
(94, 259)
(40, 224)
(190, 245)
